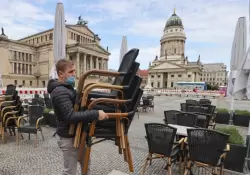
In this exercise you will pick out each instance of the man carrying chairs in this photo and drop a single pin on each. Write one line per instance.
(63, 97)
(120, 104)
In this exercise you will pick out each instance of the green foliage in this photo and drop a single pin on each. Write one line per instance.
(235, 136)
(47, 110)
(222, 110)
(212, 87)
(242, 112)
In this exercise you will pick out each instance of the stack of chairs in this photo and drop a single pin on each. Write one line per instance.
(11, 109)
(120, 104)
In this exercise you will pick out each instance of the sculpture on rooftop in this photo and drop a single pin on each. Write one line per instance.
(81, 21)
(2, 31)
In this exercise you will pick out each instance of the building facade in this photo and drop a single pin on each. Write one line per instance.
(172, 65)
(215, 74)
(28, 61)
(144, 75)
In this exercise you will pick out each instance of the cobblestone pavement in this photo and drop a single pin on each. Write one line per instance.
(46, 159)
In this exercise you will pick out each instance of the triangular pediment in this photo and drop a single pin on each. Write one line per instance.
(96, 47)
(82, 29)
(167, 65)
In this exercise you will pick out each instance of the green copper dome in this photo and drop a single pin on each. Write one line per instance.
(174, 20)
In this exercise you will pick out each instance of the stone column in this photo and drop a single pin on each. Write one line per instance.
(67, 55)
(13, 67)
(106, 64)
(91, 62)
(21, 68)
(84, 63)
(77, 64)
(102, 68)
(97, 63)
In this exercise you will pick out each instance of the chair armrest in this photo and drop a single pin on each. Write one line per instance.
(10, 118)
(225, 151)
(7, 107)
(6, 102)
(19, 120)
(38, 121)
(5, 96)
(96, 72)
(9, 113)
(102, 86)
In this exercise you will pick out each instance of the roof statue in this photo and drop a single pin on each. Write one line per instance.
(2, 31)
(81, 21)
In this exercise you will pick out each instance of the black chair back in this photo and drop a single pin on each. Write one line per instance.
(186, 119)
(198, 109)
(130, 92)
(205, 102)
(133, 107)
(183, 107)
(35, 112)
(130, 76)
(160, 138)
(170, 116)
(126, 65)
(206, 146)
(10, 90)
(192, 102)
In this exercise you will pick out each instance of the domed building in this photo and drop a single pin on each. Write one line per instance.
(172, 65)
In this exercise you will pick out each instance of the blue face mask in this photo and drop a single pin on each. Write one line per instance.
(71, 80)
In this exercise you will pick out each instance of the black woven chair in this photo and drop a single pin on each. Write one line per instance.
(161, 143)
(206, 148)
(110, 132)
(183, 107)
(186, 119)
(170, 117)
(34, 125)
(205, 102)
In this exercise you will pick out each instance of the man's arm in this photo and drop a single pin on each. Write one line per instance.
(64, 108)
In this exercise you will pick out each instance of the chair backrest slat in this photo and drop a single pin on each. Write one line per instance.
(170, 116)
(35, 112)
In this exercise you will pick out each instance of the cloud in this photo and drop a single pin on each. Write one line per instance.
(206, 23)
(209, 25)
(20, 18)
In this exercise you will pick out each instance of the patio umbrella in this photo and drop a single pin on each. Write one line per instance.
(237, 56)
(59, 38)
(124, 48)
(238, 61)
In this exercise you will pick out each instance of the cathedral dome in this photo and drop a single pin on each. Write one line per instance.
(174, 20)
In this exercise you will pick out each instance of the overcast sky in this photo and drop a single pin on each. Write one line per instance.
(209, 25)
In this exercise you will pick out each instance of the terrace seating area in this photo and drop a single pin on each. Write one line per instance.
(187, 138)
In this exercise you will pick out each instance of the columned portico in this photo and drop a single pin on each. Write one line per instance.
(86, 59)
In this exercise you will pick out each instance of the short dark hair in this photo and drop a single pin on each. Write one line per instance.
(62, 64)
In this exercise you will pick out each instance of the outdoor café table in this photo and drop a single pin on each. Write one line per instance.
(181, 130)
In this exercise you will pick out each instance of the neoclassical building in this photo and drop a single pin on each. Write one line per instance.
(28, 61)
(172, 65)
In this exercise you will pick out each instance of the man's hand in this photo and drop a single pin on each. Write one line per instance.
(102, 115)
